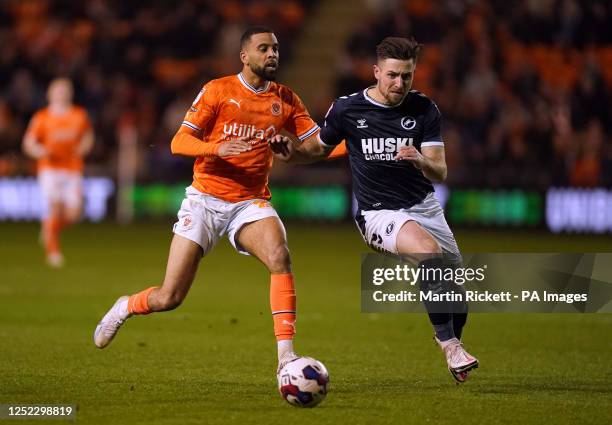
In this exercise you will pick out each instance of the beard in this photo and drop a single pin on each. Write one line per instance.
(394, 99)
(267, 73)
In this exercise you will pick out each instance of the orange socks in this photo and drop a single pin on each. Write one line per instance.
(139, 303)
(283, 305)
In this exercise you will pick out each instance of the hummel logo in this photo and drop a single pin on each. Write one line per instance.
(235, 101)
(362, 123)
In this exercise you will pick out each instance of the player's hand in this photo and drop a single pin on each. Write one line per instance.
(40, 152)
(410, 153)
(233, 148)
(281, 146)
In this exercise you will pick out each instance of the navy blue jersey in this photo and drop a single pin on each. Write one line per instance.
(374, 133)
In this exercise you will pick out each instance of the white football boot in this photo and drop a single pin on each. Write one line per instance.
(282, 362)
(459, 361)
(111, 322)
(288, 357)
(55, 260)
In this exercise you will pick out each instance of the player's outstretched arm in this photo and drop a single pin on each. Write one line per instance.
(186, 143)
(309, 151)
(430, 161)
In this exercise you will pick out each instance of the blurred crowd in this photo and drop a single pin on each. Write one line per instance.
(135, 63)
(524, 86)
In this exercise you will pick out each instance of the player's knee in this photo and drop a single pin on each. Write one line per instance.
(71, 219)
(279, 260)
(429, 246)
(55, 210)
(73, 216)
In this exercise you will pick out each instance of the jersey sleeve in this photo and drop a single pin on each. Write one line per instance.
(432, 132)
(331, 133)
(299, 122)
(34, 129)
(203, 108)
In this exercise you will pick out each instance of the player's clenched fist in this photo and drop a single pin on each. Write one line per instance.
(410, 153)
(233, 148)
(281, 146)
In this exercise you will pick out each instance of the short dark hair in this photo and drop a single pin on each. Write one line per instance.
(257, 29)
(398, 48)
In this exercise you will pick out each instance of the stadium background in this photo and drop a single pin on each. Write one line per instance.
(524, 88)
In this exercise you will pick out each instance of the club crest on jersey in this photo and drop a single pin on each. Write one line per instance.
(408, 123)
(276, 108)
(361, 123)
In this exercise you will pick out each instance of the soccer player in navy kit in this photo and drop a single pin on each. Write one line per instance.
(395, 149)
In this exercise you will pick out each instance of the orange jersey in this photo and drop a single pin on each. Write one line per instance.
(228, 109)
(60, 135)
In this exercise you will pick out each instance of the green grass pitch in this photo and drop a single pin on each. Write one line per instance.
(212, 361)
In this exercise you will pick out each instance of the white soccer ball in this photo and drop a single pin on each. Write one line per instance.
(303, 382)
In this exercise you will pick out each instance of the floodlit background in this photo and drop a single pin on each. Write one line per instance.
(525, 91)
(524, 88)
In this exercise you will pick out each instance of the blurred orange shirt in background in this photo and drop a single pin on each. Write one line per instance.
(61, 135)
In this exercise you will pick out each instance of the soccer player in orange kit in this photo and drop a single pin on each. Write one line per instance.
(58, 137)
(232, 129)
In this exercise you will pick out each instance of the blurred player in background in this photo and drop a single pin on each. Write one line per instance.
(232, 130)
(59, 137)
(393, 138)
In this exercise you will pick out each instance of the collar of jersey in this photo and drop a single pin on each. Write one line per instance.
(382, 105)
(250, 87)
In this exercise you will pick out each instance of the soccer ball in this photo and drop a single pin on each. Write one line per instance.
(303, 382)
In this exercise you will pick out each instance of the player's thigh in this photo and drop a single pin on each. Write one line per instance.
(438, 227)
(413, 240)
(72, 196)
(261, 236)
(253, 222)
(50, 185)
(54, 208)
(183, 261)
(430, 215)
(266, 240)
(72, 214)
